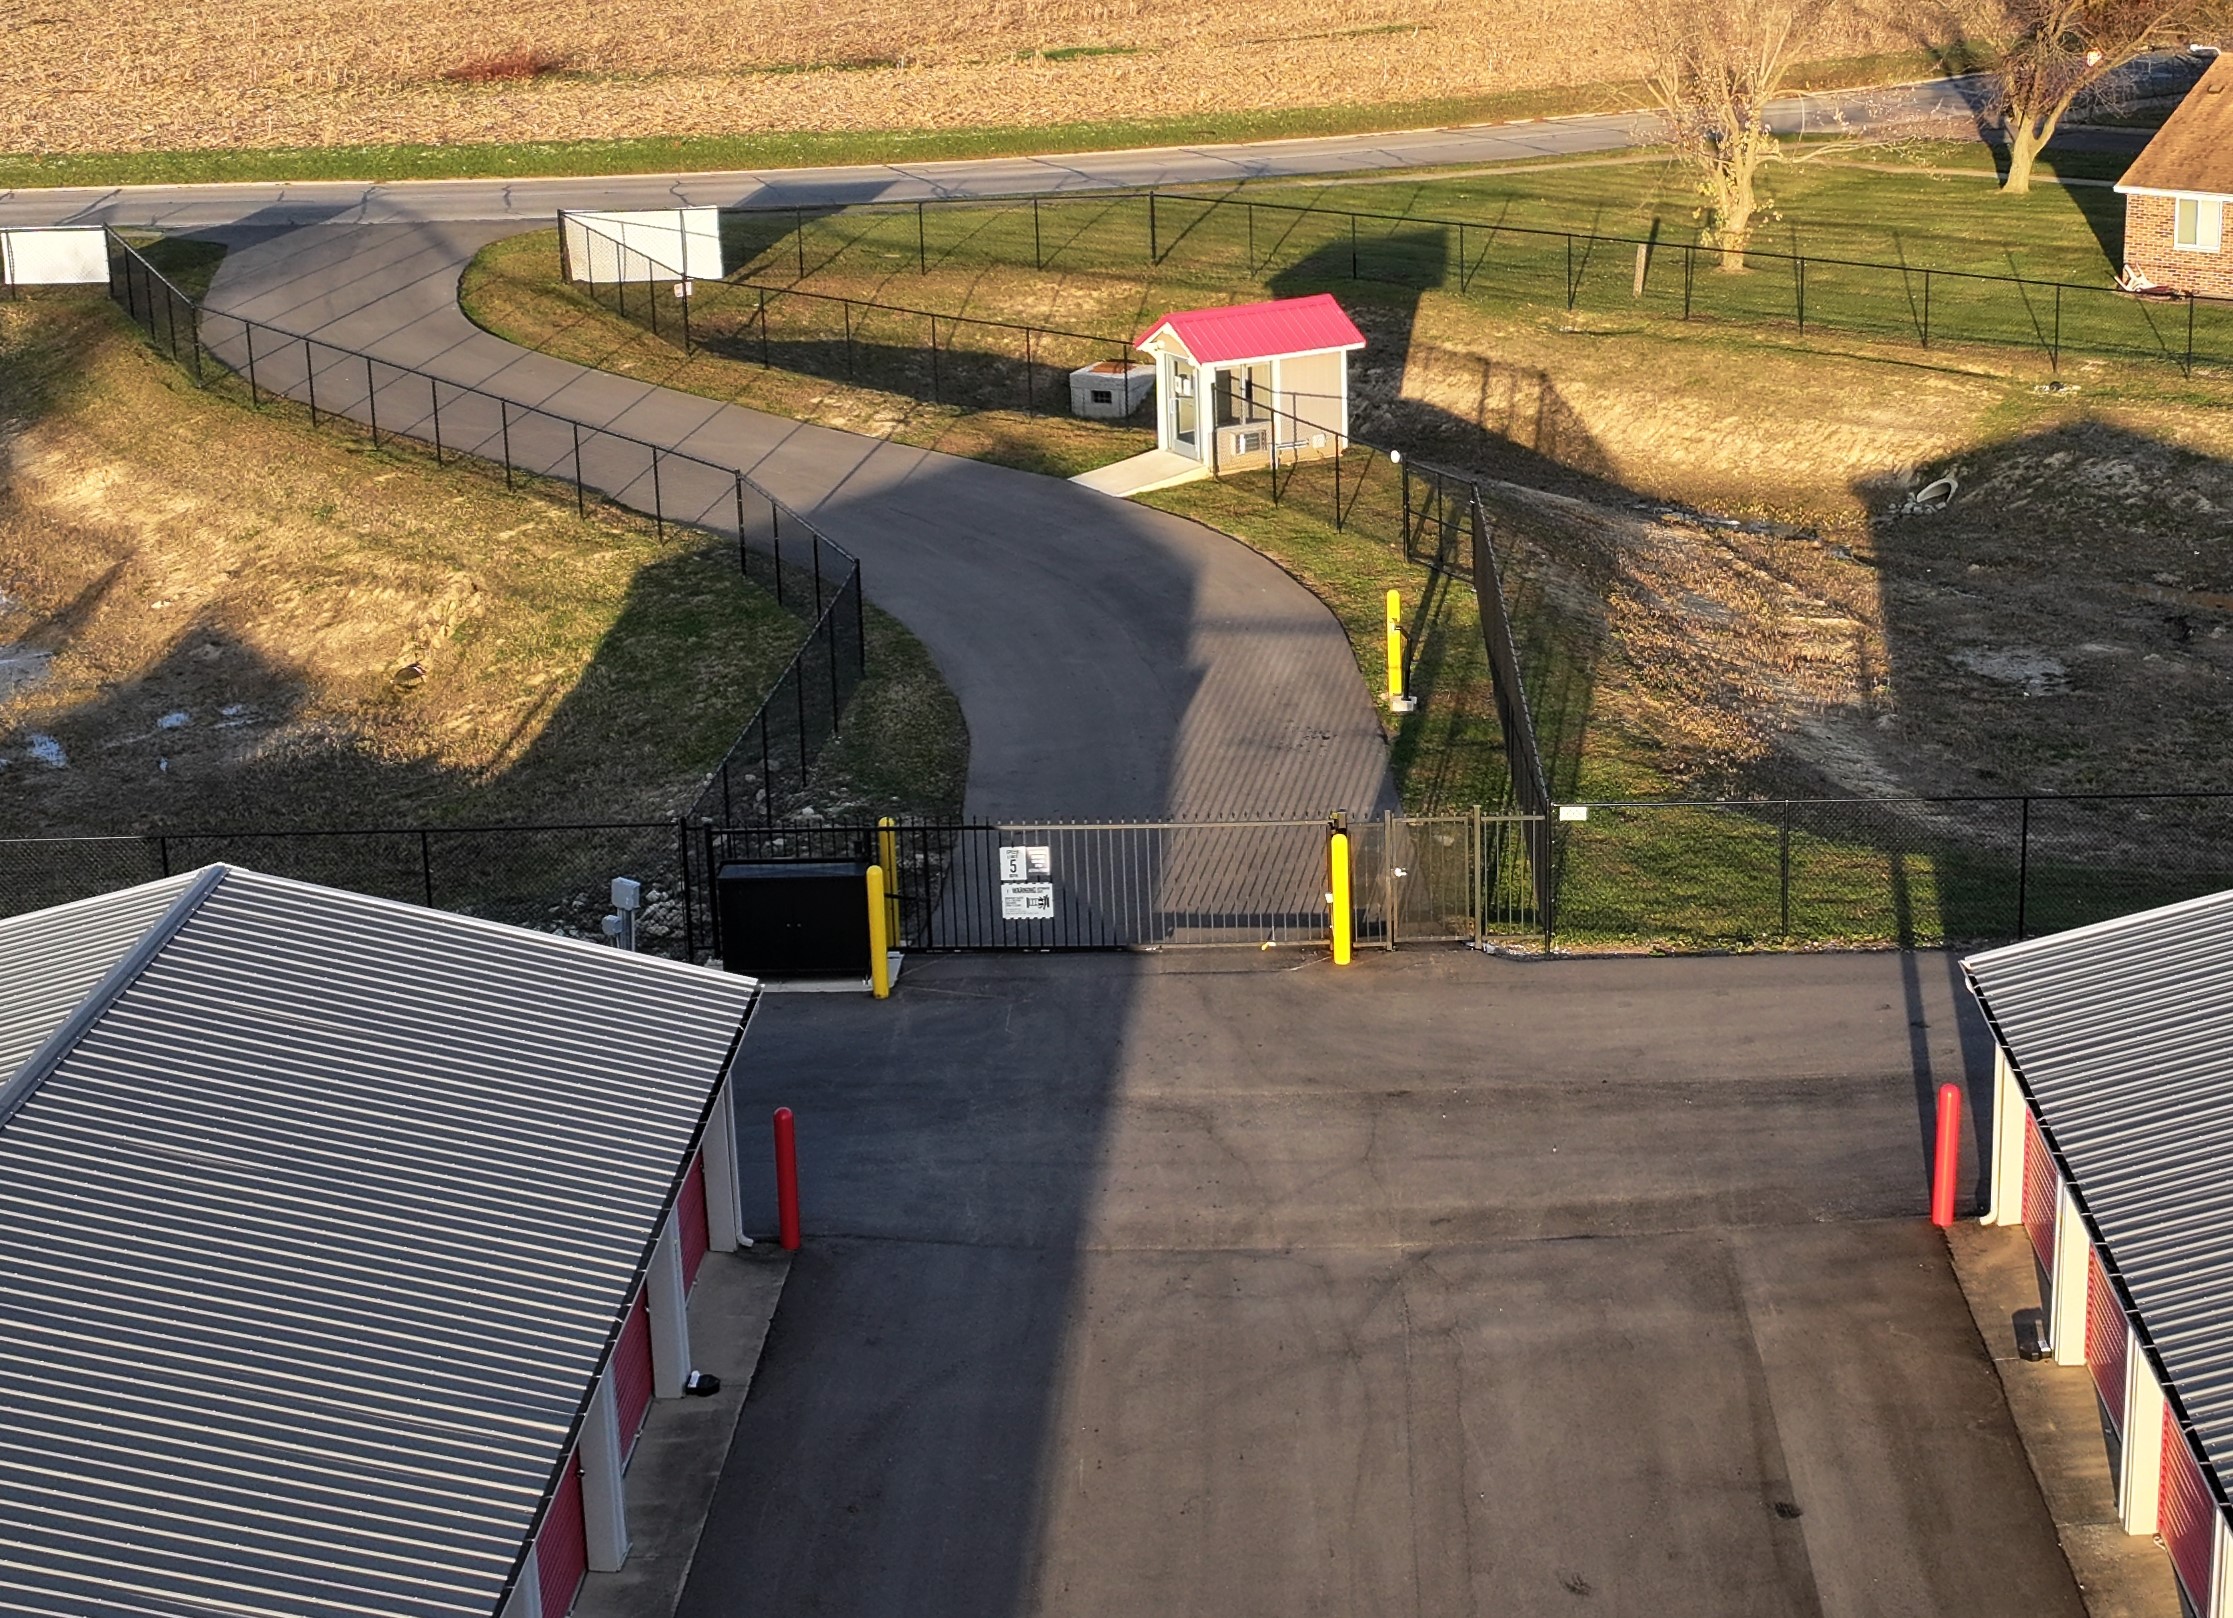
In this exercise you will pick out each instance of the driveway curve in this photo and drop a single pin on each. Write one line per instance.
(1113, 662)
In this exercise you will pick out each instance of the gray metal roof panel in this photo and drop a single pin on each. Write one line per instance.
(311, 1244)
(2122, 1036)
(52, 959)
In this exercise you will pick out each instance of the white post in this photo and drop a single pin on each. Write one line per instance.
(2073, 1258)
(2142, 1482)
(1166, 400)
(1341, 439)
(2221, 1568)
(604, 1503)
(670, 1314)
(527, 1591)
(2006, 1203)
(724, 1204)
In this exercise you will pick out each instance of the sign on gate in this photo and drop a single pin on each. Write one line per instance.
(1027, 901)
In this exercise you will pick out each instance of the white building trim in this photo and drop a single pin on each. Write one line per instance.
(604, 1496)
(526, 1600)
(669, 1304)
(724, 1195)
(2140, 1489)
(2005, 1198)
(2072, 1288)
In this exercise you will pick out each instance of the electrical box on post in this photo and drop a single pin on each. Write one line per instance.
(793, 918)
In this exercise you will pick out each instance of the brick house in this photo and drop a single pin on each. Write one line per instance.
(2176, 196)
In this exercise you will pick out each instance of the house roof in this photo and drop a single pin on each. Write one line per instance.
(2193, 151)
(1259, 331)
(2121, 1035)
(318, 1213)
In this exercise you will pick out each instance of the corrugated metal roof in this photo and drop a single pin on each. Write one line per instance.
(310, 1247)
(2122, 1036)
(1257, 331)
(52, 960)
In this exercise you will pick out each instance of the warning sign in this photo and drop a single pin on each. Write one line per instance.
(1026, 901)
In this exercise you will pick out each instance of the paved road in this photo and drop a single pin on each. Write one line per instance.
(1197, 1285)
(204, 206)
(1113, 662)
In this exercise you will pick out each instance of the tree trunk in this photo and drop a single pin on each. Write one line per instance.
(2028, 134)
(1734, 209)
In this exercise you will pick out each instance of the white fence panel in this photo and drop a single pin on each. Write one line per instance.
(681, 244)
(63, 255)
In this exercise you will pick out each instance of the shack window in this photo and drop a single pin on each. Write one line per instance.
(1104, 396)
(1244, 394)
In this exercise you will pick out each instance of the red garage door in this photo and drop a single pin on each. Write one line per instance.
(2041, 1193)
(562, 1548)
(2188, 1520)
(2105, 1340)
(690, 1214)
(631, 1373)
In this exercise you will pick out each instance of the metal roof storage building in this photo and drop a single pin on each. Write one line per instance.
(2113, 1149)
(344, 1244)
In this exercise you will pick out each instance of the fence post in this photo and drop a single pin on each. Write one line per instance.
(1341, 451)
(581, 492)
(434, 397)
(1251, 238)
(1030, 377)
(426, 869)
(2023, 862)
(2054, 352)
(1690, 270)
(504, 428)
(248, 330)
(845, 314)
(922, 247)
(2188, 367)
(1155, 248)
(814, 551)
(689, 906)
(1352, 247)
(1478, 869)
(798, 235)
(935, 391)
(1038, 258)
(1926, 308)
(1783, 869)
(887, 856)
(744, 568)
(763, 328)
(310, 380)
(371, 402)
(1800, 276)
(163, 852)
(687, 348)
(658, 504)
(1388, 872)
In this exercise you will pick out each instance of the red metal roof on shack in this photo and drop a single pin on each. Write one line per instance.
(1259, 331)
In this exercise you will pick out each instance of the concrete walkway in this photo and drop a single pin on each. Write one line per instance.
(1440, 1286)
(1113, 662)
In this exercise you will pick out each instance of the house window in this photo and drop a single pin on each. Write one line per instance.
(2199, 224)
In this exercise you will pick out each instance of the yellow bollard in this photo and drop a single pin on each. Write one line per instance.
(879, 941)
(887, 856)
(1337, 855)
(1395, 645)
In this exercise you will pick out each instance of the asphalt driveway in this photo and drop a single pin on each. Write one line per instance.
(1220, 1285)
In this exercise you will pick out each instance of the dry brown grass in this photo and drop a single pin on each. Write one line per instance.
(246, 621)
(76, 76)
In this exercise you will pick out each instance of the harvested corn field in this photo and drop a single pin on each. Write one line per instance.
(178, 74)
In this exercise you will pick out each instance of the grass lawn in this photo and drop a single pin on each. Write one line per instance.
(218, 616)
(1827, 646)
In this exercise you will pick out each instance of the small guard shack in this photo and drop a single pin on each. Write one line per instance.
(1239, 384)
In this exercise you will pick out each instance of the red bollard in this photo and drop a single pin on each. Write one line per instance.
(1947, 1161)
(786, 1181)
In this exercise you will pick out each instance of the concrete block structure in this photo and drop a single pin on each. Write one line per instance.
(2111, 1134)
(1237, 386)
(1110, 389)
(347, 1244)
(2177, 195)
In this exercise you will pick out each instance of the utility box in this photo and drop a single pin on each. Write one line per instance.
(1110, 389)
(793, 918)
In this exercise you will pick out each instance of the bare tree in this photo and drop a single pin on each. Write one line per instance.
(2053, 51)
(1715, 65)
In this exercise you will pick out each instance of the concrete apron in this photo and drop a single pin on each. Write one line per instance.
(685, 1442)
